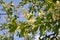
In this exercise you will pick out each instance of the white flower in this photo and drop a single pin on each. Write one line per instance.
(32, 20)
(57, 1)
(41, 13)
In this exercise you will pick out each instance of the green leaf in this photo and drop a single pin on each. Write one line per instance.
(55, 29)
(42, 29)
(34, 30)
(49, 16)
(22, 25)
(54, 1)
(38, 21)
(4, 9)
(22, 33)
(9, 11)
(12, 28)
(5, 38)
(30, 17)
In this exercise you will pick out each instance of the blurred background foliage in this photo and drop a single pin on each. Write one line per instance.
(42, 14)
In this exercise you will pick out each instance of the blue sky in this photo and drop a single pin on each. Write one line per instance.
(15, 2)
